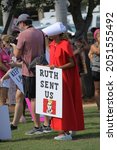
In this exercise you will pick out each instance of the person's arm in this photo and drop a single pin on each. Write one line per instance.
(76, 51)
(69, 65)
(85, 45)
(93, 50)
(16, 64)
(17, 53)
(90, 54)
(6, 76)
(3, 67)
(96, 50)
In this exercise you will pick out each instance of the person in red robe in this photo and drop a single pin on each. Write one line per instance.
(61, 56)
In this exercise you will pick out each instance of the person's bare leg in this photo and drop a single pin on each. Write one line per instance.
(97, 93)
(36, 118)
(46, 120)
(3, 96)
(22, 118)
(18, 107)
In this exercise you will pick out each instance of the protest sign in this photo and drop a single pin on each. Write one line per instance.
(49, 91)
(5, 130)
(16, 76)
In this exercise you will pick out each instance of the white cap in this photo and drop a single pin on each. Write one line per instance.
(55, 29)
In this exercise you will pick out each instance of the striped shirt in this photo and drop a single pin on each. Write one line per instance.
(95, 63)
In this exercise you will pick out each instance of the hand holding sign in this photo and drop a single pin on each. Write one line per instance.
(13, 45)
(1, 81)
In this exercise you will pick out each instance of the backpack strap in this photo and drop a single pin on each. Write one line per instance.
(44, 47)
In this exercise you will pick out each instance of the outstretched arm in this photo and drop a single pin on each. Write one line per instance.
(6, 76)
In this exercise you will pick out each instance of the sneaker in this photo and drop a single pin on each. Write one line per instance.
(13, 127)
(63, 137)
(73, 133)
(34, 131)
(46, 129)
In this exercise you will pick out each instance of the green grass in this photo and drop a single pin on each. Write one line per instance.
(84, 140)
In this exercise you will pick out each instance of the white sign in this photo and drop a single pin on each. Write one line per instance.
(16, 76)
(49, 91)
(5, 130)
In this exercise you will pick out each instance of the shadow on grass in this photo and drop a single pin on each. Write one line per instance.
(47, 136)
(96, 128)
(91, 123)
(51, 137)
(87, 136)
(91, 115)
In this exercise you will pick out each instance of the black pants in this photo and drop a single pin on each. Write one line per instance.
(29, 86)
(96, 76)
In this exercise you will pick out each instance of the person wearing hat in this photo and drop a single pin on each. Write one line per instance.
(94, 56)
(30, 45)
(61, 56)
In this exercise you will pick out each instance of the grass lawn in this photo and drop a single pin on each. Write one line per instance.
(89, 139)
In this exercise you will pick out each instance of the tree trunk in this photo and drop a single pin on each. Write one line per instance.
(4, 12)
(9, 11)
(81, 24)
(78, 20)
(40, 13)
(61, 11)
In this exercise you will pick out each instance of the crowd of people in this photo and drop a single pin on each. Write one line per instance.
(31, 43)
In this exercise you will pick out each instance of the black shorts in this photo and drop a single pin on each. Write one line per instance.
(29, 86)
(96, 76)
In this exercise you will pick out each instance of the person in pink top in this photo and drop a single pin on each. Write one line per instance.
(4, 67)
(13, 92)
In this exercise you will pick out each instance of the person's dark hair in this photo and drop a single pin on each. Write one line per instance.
(28, 22)
(94, 29)
(64, 36)
(15, 33)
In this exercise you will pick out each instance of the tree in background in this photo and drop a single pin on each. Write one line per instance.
(61, 11)
(40, 4)
(81, 24)
(8, 7)
(75, 6)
